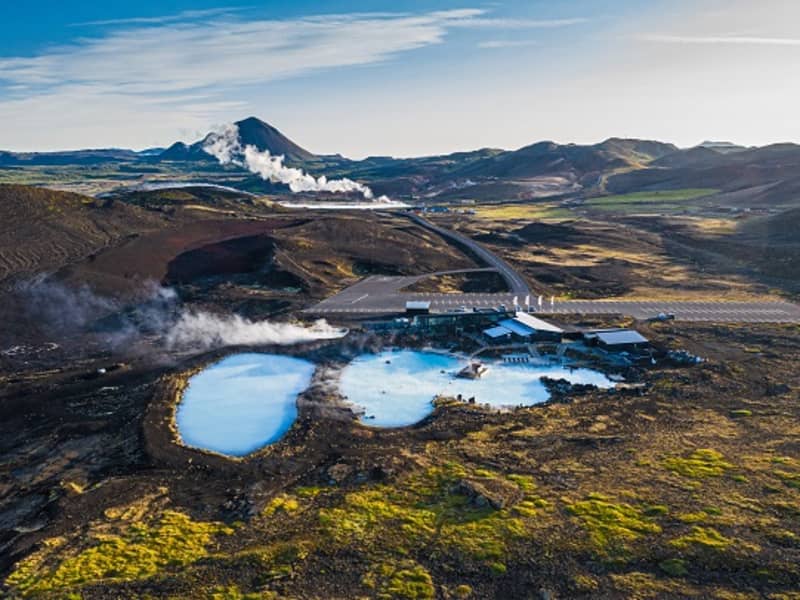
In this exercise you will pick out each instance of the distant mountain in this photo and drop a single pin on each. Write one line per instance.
(68, 157)
(578, 161)
(777, 166)
(723, 147)
(252, 132)
(151, 151)
(616, 165)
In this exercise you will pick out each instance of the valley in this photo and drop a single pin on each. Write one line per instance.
(677, 477)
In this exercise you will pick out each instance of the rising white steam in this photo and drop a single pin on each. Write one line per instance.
(225, 146)
(71, 315)
(202, 330)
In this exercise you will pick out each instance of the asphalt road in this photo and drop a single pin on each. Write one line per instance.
(516, 284)
(380, 295)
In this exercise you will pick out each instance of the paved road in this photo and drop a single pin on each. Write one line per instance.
(379, 295)
(516, 284)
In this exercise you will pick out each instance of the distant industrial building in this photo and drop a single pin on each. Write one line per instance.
(618, 340)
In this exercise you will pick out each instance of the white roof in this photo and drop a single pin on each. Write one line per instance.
(496, 332)
(418, 305)
(625, 336)
(536, 323)
(516, 327)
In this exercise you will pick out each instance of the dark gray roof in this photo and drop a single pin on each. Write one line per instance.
(625, 336)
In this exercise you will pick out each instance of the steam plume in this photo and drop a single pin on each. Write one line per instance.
(74, 316)
(205, 330)
(224, 145)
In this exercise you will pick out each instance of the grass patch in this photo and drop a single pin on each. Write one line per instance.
(611, 526)
(309, 491)
(400, 579)
(705, 537)
(741, 412)
(232, 592)
(278, 560)
(530, 212)
(789, 479)
(281, 503)
(702, 463)
(140, 552)
(666, 201)
(674, 567)
(433, 508)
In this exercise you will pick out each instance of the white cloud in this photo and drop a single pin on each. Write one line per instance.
(186, 15)
(719, 39)
(495, 44)
(182, 56)
(194, 66)
(492, 23)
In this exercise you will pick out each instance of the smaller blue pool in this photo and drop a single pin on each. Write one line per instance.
(242, 403)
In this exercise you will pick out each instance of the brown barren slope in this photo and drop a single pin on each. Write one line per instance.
(43, 229)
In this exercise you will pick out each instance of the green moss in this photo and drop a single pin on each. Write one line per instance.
(277, 560)
(675, 567)
(702, 463)
(610, 526)
(140, 552)
(525, 482)
(26, 572)
(462, 592)
(585, 583)
(532, 508)
(308, 491)
(498, 568)
(429, 508)
(232, 592)
(784, 537)
(281, 503)
(741, 412)
(368, 516)
(789, 479)
(655, 510)
(705, 537)
(701, 516)
(404, 579)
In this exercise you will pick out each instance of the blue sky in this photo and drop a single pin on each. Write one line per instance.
(402, 78)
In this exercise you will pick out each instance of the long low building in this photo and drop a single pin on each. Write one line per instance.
(617, 339)
(523, 326)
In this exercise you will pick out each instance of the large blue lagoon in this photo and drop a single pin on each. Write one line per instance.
(242, 403)
(397, 388)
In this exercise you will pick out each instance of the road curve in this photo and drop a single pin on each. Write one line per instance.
(516, 284)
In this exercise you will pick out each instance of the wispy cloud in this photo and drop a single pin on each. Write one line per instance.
(207, 50)
(718, 39)
(495, 44)
(493, 23)
(186, 15)
(196, 62)
(223, 51)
